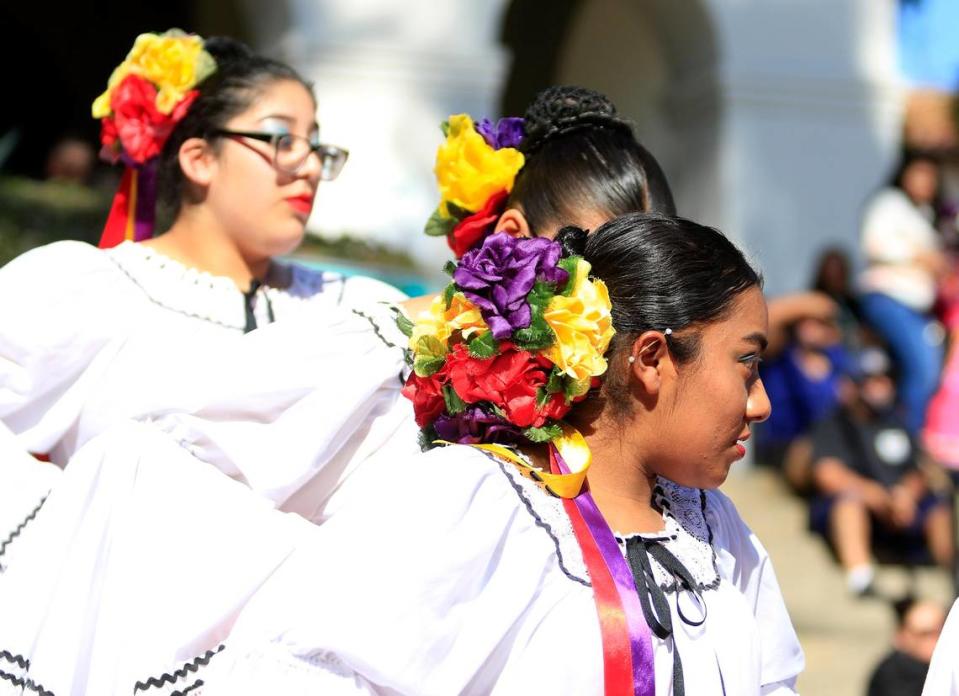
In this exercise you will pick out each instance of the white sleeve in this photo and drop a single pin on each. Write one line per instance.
(24, 484)
(422, 591)
(139, 561)
(56, 333)
(744, 562)
(943, 676)
(276, 407)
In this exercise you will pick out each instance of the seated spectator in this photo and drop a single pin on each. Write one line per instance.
(870, 493)
(903, 671)
(804, 383)
(833, 278)
(71, 160)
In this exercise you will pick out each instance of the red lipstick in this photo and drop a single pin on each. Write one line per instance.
(301, 204)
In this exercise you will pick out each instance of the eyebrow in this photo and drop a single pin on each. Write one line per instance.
(758, 338)
(289, 119)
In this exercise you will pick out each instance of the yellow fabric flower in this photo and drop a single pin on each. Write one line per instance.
(469, 171)
(440, 323)
(174, 62)
(583, 326)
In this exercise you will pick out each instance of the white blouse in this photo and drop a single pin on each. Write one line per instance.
(89, 338)
(447, 573)
(79, 320)
(894, 233)
(470, 581)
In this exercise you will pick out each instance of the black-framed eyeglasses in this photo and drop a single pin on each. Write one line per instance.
(290, 152)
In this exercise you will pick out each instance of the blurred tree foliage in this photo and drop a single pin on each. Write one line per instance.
(39, 212)
(33, 213)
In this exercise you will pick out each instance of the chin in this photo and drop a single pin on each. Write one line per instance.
(282, 243)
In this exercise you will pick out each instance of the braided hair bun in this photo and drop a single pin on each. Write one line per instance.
(565, 109)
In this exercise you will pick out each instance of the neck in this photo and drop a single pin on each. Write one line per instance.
(622, 487)
(198, 240)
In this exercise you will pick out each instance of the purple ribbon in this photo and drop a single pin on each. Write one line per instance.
(640, 636)
(145, 214)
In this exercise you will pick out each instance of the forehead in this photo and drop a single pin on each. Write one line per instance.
(747, 316)
(287, 99)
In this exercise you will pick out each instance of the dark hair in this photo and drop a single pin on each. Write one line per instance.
(908, 157)
(582, 156)
(239, 77)
(662, 272)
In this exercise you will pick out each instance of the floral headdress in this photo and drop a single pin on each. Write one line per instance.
(147, 95)
(516, 338)
(475, 169)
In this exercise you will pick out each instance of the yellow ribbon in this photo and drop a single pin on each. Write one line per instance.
(572, 447)
(130, 232)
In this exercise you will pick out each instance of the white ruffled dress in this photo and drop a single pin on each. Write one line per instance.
(90, 337)
(439, 573)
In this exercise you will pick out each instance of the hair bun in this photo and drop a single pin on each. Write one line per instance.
(226, 50)
(563, 109)
(573, 240)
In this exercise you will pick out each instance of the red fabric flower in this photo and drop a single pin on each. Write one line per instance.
(510, 380)
(141, 128)
(110, 151)
(426, 393)
(471, 230)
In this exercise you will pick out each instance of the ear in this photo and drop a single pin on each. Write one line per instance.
(650, 361)
(197, 161)
(513, 223)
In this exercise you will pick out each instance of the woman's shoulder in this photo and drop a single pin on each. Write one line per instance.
(339, 289)
(59, 261)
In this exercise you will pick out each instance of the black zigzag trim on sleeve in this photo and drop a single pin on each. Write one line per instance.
(19, 660)
(16, 532)
(27, 684)
(171, 678)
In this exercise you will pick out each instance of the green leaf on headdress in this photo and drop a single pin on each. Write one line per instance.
(538, 335)
(555, 382)
(454, 404)
(483, 346)
(574, 388)
(430, 356)
(542, 397)
(457, 212)
(427, 438)
(403, 323)
(438, 225)
(448, 293)
(449, 268)
(445, 127)
(498, 412)
(569, 265)
(544, 434)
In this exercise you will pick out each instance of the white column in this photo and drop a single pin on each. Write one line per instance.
(811, 105)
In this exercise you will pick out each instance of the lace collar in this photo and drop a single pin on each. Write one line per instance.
(686, 532)
(201, 295)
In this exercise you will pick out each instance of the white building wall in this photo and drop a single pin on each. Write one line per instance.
(812, 120)
(800, 97)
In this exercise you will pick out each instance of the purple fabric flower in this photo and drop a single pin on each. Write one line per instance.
(498, 276)
(474, 426)
(507, 132)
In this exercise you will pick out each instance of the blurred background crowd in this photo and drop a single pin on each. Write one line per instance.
(820, 134)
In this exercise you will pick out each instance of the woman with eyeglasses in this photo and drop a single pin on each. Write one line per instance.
(226, 143)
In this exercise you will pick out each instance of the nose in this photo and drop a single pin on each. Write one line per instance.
(758, 407)
(311, 168)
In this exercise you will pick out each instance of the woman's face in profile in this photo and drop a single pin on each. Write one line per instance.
(920, 181)
(717, 397)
